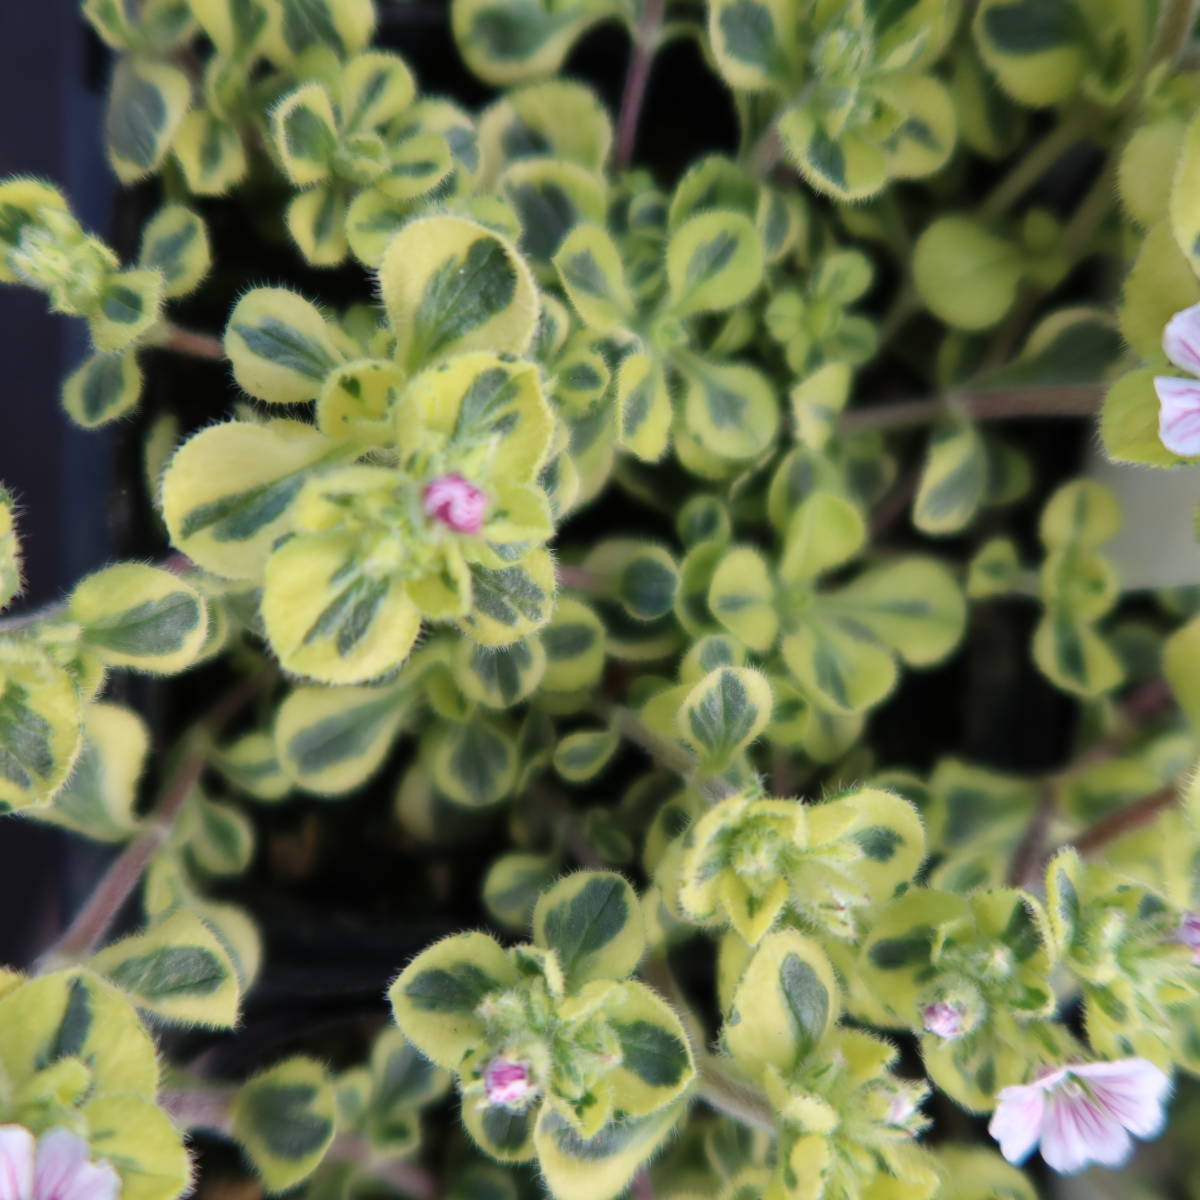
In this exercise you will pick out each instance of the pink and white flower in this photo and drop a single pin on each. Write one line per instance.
(1082, 1114)
(1179, 399)
(506, 1082)
(56, 1167)
(1189, 935)
(943, 1020)
(456, 502)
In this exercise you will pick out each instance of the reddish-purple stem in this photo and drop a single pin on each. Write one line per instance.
(645, 43)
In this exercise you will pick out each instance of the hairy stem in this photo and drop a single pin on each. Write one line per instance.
(24, 620)
(1126, 820)
(411, 1178)
(1067, 400)
(1030, 854)
(580, 579)
(93, 920)
(197, 345)
(733, 1099)
(645, 44)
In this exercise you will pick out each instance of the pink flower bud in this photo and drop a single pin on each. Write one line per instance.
(507, 1082)
(943, 1020)
(1189, 935)
(456, 503)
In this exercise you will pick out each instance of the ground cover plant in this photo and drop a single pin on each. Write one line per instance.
(630, 676)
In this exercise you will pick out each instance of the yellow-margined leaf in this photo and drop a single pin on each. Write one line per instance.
(500, 677)
(914, 605)
(450, 285)
(331, 740)
(824, 532)
(504, 43)
(227, 491)
(730, 409)
(344, 26)
(281, 348)
(327, 617)
(643, 406)
(953, 478)
(472, 763)
(592, 274)
(724, 713)
(127, 307)
(177, 970)
(316, 219)
(1074, 657)
(584, 753)
(103, 388)
(147, 100)
(742, 597)
(503, 1134)
(142, 617)
(142, 1143)
(785, 1004)
(285, 1118)
(656, 1059)
(175, 242)
(476, 399)
(844, 668)
(376, 87)
(1082, 514)
(210, 153)
(573, 641)
(753, 41)
(558, 118)
(599, 1167)
(99, 798)
(1036, 48)
(510, 603)
(513, 884)
(11, 575)
(434, 999)
(40, 725)
(593, 923)
(76, 1014)
(550, 198)
(714, 261)
(252, 765)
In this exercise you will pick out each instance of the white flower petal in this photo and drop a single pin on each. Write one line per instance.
(1179, 414)
(1133, 1090)
(1017, 1122)
(1181, 339)
(16, 1163)
(1076, 1132)
(60, 1154)
(91, 1181)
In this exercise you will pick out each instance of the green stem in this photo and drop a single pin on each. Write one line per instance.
(1174, 31)
(1035, 164)
(666, 753)
(1067, 400)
